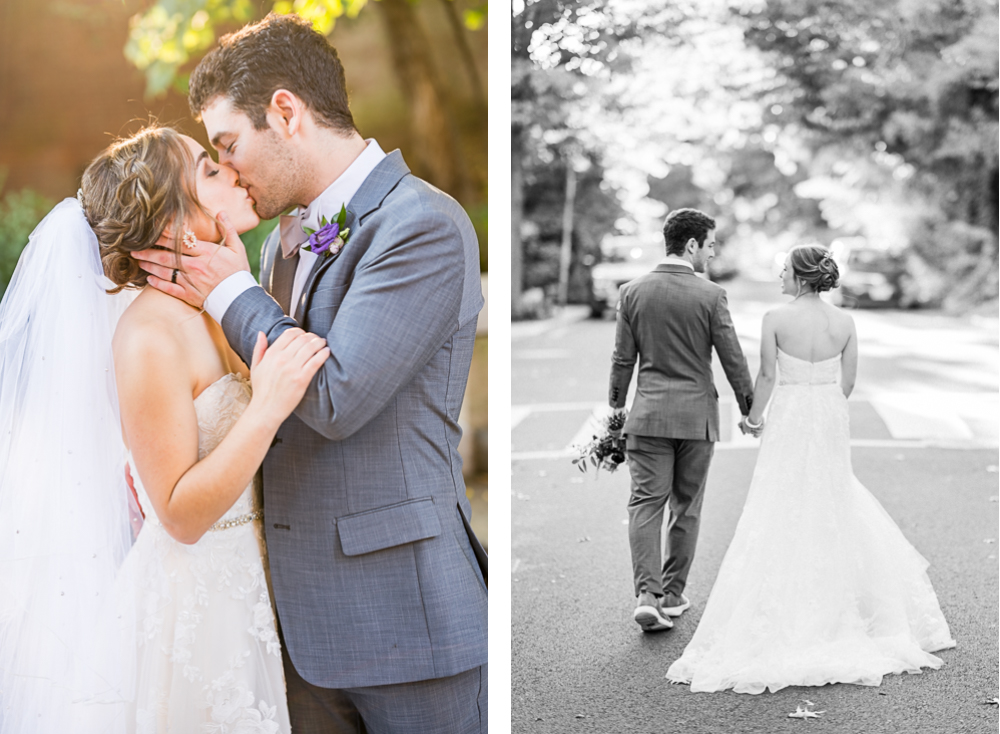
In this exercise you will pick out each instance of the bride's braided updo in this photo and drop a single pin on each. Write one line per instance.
(813, 265)
(138, 187)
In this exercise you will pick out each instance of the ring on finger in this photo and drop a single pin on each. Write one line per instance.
(173, 276)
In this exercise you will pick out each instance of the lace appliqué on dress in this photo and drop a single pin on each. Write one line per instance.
(209, 655)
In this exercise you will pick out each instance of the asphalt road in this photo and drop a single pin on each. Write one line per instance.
(924, 440)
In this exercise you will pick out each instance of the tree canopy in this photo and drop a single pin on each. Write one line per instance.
(789, 120)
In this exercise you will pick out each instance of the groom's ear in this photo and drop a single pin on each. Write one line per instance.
(285, 112)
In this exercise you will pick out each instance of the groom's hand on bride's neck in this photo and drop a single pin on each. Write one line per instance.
(203, 266)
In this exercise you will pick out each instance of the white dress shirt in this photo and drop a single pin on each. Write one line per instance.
(674, 260)
(327, 204)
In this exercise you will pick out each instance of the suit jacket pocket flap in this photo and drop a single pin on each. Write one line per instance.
(372, 530)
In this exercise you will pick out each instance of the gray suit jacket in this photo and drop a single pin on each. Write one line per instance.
(669, 320)
(377, 575)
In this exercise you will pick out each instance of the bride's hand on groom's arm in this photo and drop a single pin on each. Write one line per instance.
(280, 373)
(203, 266)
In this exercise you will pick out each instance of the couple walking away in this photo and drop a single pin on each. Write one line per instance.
(818, 585)
(340, 377)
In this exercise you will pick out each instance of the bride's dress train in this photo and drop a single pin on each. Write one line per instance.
(208, 656)
(819, 585)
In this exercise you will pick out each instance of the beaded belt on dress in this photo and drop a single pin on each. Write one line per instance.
(237, 521)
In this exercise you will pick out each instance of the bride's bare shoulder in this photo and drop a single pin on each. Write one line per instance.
(779, 314)
(840, 315)
(148, 331)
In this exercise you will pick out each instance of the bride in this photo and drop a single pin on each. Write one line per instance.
(175, 633)
(818, 585)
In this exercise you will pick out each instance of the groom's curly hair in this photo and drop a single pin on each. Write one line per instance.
(683, 224)
(278, 52)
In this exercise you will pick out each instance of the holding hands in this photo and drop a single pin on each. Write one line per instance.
(755, 428)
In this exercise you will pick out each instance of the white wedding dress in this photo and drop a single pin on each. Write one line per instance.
(818, 585)
(100, 635)
(208, 657)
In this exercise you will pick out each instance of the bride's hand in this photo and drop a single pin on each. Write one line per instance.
(280, 373)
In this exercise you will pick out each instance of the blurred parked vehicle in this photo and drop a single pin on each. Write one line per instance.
(608, 277)
(870, 277)
(722, 267)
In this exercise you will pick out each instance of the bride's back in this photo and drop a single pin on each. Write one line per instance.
(812, 330)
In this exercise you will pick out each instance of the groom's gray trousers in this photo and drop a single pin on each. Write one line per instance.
(669, 322)
(666, 472)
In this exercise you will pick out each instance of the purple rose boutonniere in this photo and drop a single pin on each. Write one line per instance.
(330, 238)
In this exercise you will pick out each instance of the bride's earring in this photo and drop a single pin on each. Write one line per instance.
(189, 239)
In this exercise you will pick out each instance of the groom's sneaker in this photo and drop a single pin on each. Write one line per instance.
(673, 605)
(650, 616)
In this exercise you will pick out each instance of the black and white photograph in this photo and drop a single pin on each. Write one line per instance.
(754, 366)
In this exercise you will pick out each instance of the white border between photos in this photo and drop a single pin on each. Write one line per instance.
(498, 321)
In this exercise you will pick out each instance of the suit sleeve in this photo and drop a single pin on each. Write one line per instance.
(727, 345)
(623, 358)
(402, 307)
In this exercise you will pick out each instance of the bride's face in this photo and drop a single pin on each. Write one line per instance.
(788, 285)
(218, 189)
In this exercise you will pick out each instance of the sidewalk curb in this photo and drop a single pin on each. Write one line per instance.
(563, 316)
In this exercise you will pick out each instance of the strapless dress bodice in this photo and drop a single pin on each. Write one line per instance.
(795, 371)
(217, 407)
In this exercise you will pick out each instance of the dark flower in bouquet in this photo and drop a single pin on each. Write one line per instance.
(607, 449)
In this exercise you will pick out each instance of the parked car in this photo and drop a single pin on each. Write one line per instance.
(870, 277)
(608, 277)
(722, 267)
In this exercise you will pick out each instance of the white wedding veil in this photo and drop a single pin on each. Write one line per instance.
(65, 635)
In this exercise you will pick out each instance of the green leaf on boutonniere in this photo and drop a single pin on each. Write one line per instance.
(342, 217)
(322, 221)
(309, 230)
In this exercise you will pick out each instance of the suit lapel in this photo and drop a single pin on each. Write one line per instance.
(380, 182)
(319, 267)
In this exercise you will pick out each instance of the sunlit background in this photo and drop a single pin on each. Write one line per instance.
(867, 127)
(74, 74)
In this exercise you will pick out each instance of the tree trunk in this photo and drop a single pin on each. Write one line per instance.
(465, 51)
(566, 249)
(516, 217)
(435, 149)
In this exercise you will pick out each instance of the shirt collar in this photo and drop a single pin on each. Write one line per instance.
(674, 260)
(340, 192)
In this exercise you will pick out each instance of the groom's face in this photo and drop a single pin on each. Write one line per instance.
(266, 164)
(702, 255)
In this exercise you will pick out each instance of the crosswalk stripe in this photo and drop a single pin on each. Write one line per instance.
(913, 420)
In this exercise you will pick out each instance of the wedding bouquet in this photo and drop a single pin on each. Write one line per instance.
(607, 449)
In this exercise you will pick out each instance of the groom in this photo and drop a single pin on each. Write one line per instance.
(379, 582)
(669, 320)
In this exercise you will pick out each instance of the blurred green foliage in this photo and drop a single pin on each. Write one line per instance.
(478, 215)
(254, 241)
(166, 36)
(20, 213)
(170, 33)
